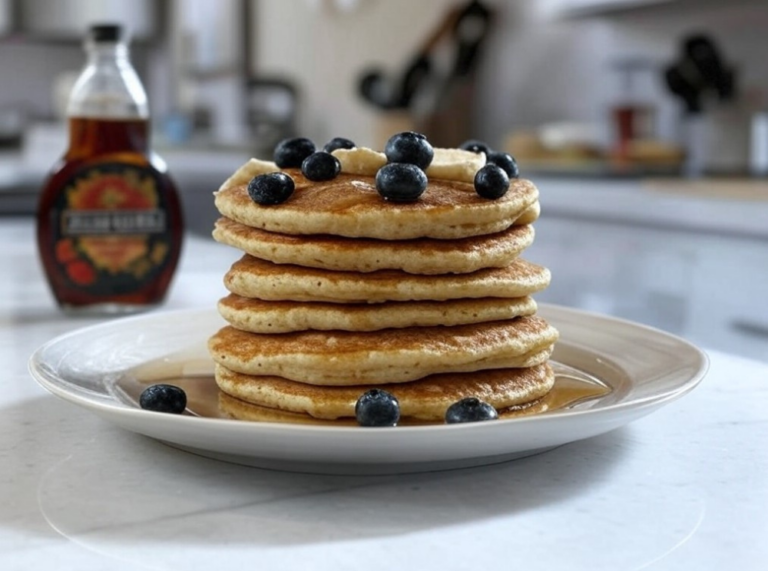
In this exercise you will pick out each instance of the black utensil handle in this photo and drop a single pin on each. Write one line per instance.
(373, 88)
(415, 76)
(470, 32)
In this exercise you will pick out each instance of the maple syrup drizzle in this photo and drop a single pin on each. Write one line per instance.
(572, 389)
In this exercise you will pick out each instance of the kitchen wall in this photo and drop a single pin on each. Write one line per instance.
(40, 45)
(30, 70)
(324, 48)
(545, 68)
(539, 67)
(33, 68)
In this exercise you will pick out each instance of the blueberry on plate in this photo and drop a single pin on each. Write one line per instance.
(507, 163)
(271, 188)
(400, 182)
(491, 182)
(163, 398)
(290, 153)
(411, 148)
(470, 409)
(475, 146)
(377, 407)
(321, 166)
(338, 143)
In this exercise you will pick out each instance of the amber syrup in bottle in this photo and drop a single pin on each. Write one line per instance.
(109, 220)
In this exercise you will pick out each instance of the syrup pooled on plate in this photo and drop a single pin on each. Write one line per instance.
(572, 389)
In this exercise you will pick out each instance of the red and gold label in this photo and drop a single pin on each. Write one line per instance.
(111, 232)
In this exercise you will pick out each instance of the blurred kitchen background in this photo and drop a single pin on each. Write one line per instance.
(643, 122)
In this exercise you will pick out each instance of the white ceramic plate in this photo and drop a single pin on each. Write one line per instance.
(645, 369)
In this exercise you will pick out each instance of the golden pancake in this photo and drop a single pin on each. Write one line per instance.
(350, 205)
(260, 316)
(427, 398)
(340, 290)
(254, 278)
(387, 356)
(530, 215)
(237, 409)
(417, 256)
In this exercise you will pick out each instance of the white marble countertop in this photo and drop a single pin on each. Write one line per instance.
(642, 202)
(684, 488)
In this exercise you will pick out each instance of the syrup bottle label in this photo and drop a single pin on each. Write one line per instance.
(110, 230)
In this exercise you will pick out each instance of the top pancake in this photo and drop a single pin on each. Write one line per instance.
(350, 206)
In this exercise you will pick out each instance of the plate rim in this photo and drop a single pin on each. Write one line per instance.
(106, 405)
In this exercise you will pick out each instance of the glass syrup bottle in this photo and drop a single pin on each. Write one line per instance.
(109, 220)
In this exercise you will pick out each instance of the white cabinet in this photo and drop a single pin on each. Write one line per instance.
(710, 289)
(69, 19)
(732, 297)
(636, 273)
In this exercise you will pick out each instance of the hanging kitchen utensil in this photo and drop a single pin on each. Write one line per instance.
(703, 53)
(466, 28)
(469, 33)
(376, 89)
(415, 75)
(683, 88)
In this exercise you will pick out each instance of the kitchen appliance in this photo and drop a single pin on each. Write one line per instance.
(714, 125)
(271, 105)
(632, 116)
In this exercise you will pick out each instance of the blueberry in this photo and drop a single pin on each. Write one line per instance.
(377, 408)
(507, 163)
(289, 153)
(475, 146)
(401, 182)
(321, 166)
(338, 143)
(470, 409)
(491, 182)
(163, 398)
(271, 188)
(409, 147)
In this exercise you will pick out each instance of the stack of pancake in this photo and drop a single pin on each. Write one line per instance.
(340, 291)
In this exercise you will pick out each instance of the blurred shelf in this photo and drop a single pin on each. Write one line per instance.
(596, 168)
(574, 9)
(742, 189)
